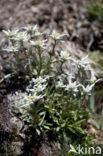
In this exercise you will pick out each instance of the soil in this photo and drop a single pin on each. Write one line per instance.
(68, 16)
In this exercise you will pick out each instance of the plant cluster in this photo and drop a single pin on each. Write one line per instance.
(95, 9)
(56, 98)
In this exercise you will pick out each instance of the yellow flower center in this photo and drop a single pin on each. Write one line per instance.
(21, 35)
(39, 42)
(30, 100)
(66, 54)
(39, 80)
(38, 87)
(56, 34)
(14, 48)
(12, 32)
(32, 97)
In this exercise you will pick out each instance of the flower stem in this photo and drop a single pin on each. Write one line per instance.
(40, 63)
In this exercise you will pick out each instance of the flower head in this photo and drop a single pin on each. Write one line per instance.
(31, 99)
(72, 86)
(87, 89)
(57, 36)
(33, 30)
(34, 97)
(60, 84)
(40, 79)
(38, 88)
(12, 49)
(39, 43)
(83, 63)
(11, 33)
(93, 79)
(21, 36)
(64, 55)
(37, 33)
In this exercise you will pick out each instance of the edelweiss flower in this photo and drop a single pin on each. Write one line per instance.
(31, 99)
(21, 36)
(93, 78)
(72, 86)
(33, 30)
(60, 84)
(64, 55)
(57, 36)
(87, 89)
(39, 43)
(83, 63)
(12, 49)
(37, 33)
(38, 88)
(34, 97)
(11, 33)
(40, 79)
